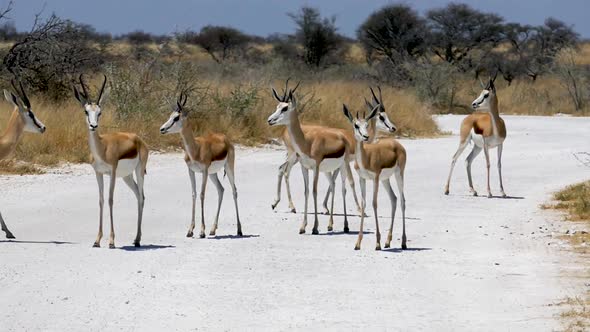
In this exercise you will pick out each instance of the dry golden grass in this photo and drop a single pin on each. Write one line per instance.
(575, 200)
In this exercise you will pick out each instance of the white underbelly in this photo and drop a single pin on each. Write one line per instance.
(491, 141)
(214, 167)
(385, 174)
(124, 167)
(326, 165)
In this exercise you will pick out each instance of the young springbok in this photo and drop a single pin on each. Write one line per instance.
(114, 154)
(319, 150)
(380, 123)
(22, 120)
(378, 162)
(207, 155)
(487, 130)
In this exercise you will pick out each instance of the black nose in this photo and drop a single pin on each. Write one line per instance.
(474, 105)
(42, 129)
(162, 130)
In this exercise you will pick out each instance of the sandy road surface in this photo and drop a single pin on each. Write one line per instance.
(474, 263)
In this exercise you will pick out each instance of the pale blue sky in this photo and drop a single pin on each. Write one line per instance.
(263, 17)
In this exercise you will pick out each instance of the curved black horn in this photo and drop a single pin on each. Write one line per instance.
(286, 89)
(104, 83)
(380, 95)
(293, 91)
(375, 99)
(83, 87)
(24, 95)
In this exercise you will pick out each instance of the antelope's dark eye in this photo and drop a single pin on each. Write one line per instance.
(86, 112)
(284, 109)
(176, 118)
(356, 126)
(486, 95)
(382, 118)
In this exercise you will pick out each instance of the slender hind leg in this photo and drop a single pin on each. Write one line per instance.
(486, 152)
(291, 162)
(399, 179)
(343, 177)
(316, 175)
(468, 161)
(191, 228)
(220, 191)
(332, 188)
(462, 147)
(203, 190)
(500, 148)
(5, 228)
(363, 184)
(393, 200)
(100, 180)
(232, 182)
(280, 174)
(134, 187)
(375, 197)
(352, 185)
(305, 173)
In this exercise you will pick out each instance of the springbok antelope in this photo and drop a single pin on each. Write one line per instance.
(115, 154)
(380, 123)
(318, 150)
(378, 162)
(487, 130)
(207, 155)
(22, 120)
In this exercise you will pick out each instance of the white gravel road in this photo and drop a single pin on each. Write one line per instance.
(474, 263)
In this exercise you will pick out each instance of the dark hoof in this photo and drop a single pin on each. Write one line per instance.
(212, 233)
(474, 194)
(387, 245)
(189, 234)
(9, 235)
(315, 232)
(378, 248)
(346, 230)
(302, 231)
(202, 235)
(240, 233)
(96, 245)
(293, 210)
(330, 228)
(357, 248)
(111, 246)
(273, 206)
(404, 247)
(136, 244)
(490, 196)
(446, 192)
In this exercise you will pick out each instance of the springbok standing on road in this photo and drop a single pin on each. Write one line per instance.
(486, 130)
(378, 162)
(318, 150)
(22, 120)
(114, 154)
(380, 123)
(207, 155)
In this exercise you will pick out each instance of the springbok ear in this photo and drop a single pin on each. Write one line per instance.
(276, 95)
(104, 96)
(11, 98)
(373, 112)
(347, 112)
(79, 97)
(292, 99)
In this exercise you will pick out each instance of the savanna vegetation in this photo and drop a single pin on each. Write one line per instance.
(426, 64)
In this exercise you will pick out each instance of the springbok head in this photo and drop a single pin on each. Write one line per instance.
(487, 95)
(177, 117)
(91, 109)
(286, 106)
(383, 122)
(32, 124)
(360, 123)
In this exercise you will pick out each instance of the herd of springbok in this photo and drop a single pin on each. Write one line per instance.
(317, 148)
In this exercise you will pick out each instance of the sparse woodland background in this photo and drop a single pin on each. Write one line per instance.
(425, 64)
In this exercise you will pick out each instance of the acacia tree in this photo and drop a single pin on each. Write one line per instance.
(395, 32)
(458, 30)
(221, 43)
(318, 36)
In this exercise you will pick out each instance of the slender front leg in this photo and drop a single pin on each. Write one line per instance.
(305, 173)
(352, 185)
(220, 191)
(292, 161)
(5, 228)
(399, 179)
(486, 152)
(134, 187)
(500, 148)
(393, 200)
(375, 197)
(140, 173)
(111, 199)
(100, 180)
(232, 182)
(363, 184)
(279, 183)
(343, 177)
(203, 188)
(191, 228)
(316, 175)
(462, 147)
